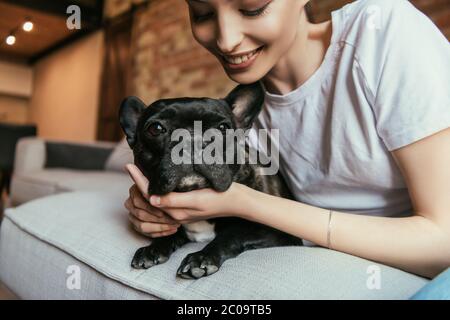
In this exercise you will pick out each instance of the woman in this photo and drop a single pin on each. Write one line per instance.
(363, 108)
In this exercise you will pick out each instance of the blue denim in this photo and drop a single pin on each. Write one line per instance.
(437, 289)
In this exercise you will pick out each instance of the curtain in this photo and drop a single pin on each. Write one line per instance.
(116, 75)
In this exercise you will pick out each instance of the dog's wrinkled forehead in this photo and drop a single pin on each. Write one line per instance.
(241, 106)
(186, 106)
(184, 111)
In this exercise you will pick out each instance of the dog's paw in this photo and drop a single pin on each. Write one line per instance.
(148, 257)
(197, 265)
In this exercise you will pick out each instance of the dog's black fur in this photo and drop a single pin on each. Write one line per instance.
(148, 131)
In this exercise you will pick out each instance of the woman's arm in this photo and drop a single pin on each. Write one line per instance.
(419, 244)
(415, 244)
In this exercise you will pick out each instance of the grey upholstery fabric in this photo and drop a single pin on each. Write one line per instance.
(93, 228)
(30, 155)
(41, 183)
(35, 269)
(121, 155)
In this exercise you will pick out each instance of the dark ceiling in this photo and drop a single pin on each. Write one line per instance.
(50, 31)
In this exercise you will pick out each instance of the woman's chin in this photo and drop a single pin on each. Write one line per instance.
(248, 77)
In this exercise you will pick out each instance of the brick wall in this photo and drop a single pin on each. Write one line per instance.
(167, 62)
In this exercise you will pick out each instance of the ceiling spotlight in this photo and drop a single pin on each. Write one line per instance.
(28, 26)
(10, 40)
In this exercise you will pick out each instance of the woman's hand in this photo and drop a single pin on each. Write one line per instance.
(202, 204)
(179, 207)
(146, 219)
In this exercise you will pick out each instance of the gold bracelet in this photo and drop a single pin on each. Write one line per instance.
(329, 230)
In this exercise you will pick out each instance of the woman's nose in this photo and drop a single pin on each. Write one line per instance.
(229, 35)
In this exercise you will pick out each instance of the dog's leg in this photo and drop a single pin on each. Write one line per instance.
(229, 243)
(159, 250)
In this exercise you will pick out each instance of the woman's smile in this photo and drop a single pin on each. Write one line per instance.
(239, 62)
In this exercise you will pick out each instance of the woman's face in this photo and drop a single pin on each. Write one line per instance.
(248, 37)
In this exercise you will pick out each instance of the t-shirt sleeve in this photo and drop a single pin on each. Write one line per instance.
(405, 61)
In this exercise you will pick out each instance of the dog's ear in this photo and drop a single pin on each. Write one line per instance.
(246, 102)
(130, 110)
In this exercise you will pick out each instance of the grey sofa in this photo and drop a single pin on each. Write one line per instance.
(70, 239)
(47, 167)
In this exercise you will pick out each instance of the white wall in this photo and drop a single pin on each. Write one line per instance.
(64, 104)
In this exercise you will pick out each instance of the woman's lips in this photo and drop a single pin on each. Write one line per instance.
(244, 64)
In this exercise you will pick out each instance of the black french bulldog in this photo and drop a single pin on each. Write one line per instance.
(148, 131)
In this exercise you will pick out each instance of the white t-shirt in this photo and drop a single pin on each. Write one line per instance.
(384, 83)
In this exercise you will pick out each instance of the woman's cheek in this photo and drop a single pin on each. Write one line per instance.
(266, 32)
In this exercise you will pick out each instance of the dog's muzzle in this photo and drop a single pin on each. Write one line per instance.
(192, 182)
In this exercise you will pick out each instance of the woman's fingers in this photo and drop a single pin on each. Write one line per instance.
(138, 177)
(193, 199)
(138, 201)
(144, 212)
(161, 234)
(145, 218)
(150, 228)
(145, 215)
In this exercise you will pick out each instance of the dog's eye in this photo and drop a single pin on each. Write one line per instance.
(155, 129)
(223, 127)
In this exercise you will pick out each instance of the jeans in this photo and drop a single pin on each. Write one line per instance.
(437, 289)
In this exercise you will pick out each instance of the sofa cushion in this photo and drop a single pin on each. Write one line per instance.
(42, 271)
(121, 155)
(93, 228)
(46, 182)
(24, 189)
(75, 156)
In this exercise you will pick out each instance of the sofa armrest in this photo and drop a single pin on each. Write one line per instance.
(29, 156)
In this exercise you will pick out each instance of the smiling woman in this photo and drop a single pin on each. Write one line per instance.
(361, 104)
(258, 26)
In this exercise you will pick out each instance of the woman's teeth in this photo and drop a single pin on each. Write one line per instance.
(240, 59)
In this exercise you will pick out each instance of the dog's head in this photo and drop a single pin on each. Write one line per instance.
(149, 133)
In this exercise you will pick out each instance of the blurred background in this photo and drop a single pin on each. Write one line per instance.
(69, 83)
